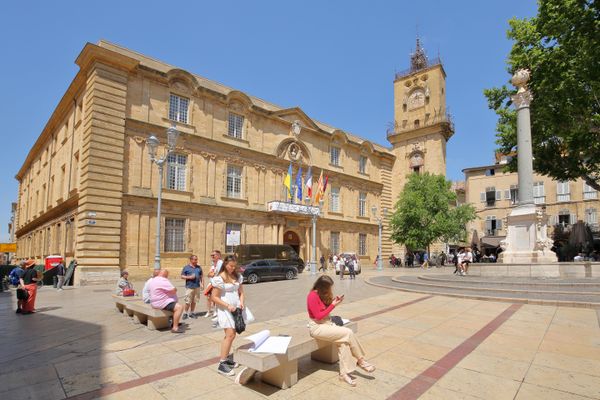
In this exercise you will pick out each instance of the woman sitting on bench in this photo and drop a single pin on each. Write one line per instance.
(320, 303)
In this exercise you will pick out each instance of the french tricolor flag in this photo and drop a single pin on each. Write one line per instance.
(309, 182)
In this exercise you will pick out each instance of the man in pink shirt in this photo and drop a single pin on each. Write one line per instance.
(163, 296)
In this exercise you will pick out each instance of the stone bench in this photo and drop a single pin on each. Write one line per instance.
(281, 370)
(122, 301)
(144, 314)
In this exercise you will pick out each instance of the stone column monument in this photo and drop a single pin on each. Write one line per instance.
(527, 239)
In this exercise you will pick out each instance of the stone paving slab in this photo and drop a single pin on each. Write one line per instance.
(81, 345)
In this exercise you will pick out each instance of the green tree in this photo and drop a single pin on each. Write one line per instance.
(561, 48)
(426, 211)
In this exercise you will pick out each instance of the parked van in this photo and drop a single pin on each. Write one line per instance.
(246, 253)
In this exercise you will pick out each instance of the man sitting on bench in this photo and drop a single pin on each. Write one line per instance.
(163, 296)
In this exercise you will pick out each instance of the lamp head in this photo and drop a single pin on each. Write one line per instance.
(152, 143)
(172, 135)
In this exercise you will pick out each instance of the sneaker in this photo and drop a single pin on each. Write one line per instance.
(245, 375)
(231, 362)
(208, 314)
(225, 369)
(185, 316)
(192, 315)
(19, 311)
(215, 319)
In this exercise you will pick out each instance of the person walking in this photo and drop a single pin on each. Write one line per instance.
(215, 269)
(194, 283)
(425, 264)
(228, 295)
(15, 279)
(28, 284)
(322, 261)
(341, 265)
(350, 264)
(320, 302)
(60, 276)
(163, 296)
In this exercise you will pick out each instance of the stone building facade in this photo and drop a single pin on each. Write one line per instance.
(88, 189)
(494, 192)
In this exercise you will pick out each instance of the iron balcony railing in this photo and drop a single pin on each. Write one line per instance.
(410, 125)
(408, 71)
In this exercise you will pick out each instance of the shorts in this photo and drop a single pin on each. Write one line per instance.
(170, 306)
(192, 295)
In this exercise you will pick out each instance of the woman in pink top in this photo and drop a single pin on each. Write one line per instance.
(320, 302)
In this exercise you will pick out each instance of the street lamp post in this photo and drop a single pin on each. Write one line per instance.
(379, 219)
(313, 262)
(153, 142)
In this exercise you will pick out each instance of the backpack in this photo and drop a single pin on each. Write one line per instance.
(13, 276)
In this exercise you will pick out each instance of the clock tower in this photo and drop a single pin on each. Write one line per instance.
(422, 125)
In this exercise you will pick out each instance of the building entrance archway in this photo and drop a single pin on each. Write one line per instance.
(291, 238)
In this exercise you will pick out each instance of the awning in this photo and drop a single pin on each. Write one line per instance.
(491, 241)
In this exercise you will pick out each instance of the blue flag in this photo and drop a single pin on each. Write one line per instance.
(299, 185)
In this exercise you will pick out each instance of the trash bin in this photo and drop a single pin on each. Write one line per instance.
(52, 261)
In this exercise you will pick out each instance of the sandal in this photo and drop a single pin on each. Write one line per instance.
(366, 366)
(348, 379)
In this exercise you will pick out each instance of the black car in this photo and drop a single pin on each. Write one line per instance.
(259, 270)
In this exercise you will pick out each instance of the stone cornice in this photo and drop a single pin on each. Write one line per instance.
(53, 213)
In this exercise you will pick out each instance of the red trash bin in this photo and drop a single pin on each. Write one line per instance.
(51, 262)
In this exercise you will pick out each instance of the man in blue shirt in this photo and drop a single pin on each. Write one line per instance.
(194, 283)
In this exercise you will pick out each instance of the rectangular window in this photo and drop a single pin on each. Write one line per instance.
(539, 196)
(362, 244)
(234, 181)
(176, 171)
(362, 204)
(492, 225)
(563, 192)
(490, 196)
(233, 234)
(174, 234)
(589, 192)
(178, 108)
(236, 125)
(334, 204)
(362, 165)
(334, 155)
(334, 244)
(591, 217)
(514, 194)
(564, 217)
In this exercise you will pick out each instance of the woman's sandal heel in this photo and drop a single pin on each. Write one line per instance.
(346, 378)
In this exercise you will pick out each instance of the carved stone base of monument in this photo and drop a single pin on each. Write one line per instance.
(527, 240)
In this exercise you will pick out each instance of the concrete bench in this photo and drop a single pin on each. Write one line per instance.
(281, 370)
(144, 314)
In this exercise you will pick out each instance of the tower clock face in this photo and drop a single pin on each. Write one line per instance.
(416, 99)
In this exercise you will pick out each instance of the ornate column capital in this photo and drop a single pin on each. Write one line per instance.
(522, 99)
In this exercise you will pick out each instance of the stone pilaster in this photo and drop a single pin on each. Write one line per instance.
(101, 187)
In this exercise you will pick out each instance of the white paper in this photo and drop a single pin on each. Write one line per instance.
(265, 343)
(345, 321)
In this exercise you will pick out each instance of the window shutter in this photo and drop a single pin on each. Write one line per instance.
(488, 225)
(498, 195)
(507, 194)
(573, 218)
(498, 224)
(247, 182)
(482, 197)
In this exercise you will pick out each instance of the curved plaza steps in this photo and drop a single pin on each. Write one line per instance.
(557, 292)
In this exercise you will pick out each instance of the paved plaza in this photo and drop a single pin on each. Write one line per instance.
(425, 346)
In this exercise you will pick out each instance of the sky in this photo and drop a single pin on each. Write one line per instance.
(334, 59)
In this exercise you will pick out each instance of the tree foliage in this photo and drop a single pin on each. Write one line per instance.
(426, 211)
(561, 48)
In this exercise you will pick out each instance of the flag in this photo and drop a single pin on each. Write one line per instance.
(319, 194)
(299, 185)
(309, 183)
(325, 184)
(287, 182)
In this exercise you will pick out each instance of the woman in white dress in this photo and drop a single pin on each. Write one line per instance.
(228, 295)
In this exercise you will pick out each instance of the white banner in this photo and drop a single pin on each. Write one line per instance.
(280, 206)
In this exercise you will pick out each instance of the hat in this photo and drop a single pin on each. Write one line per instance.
(29, 263)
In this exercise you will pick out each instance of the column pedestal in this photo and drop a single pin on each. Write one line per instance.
(527, 238)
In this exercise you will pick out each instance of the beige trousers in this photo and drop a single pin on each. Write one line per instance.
(349, 348)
